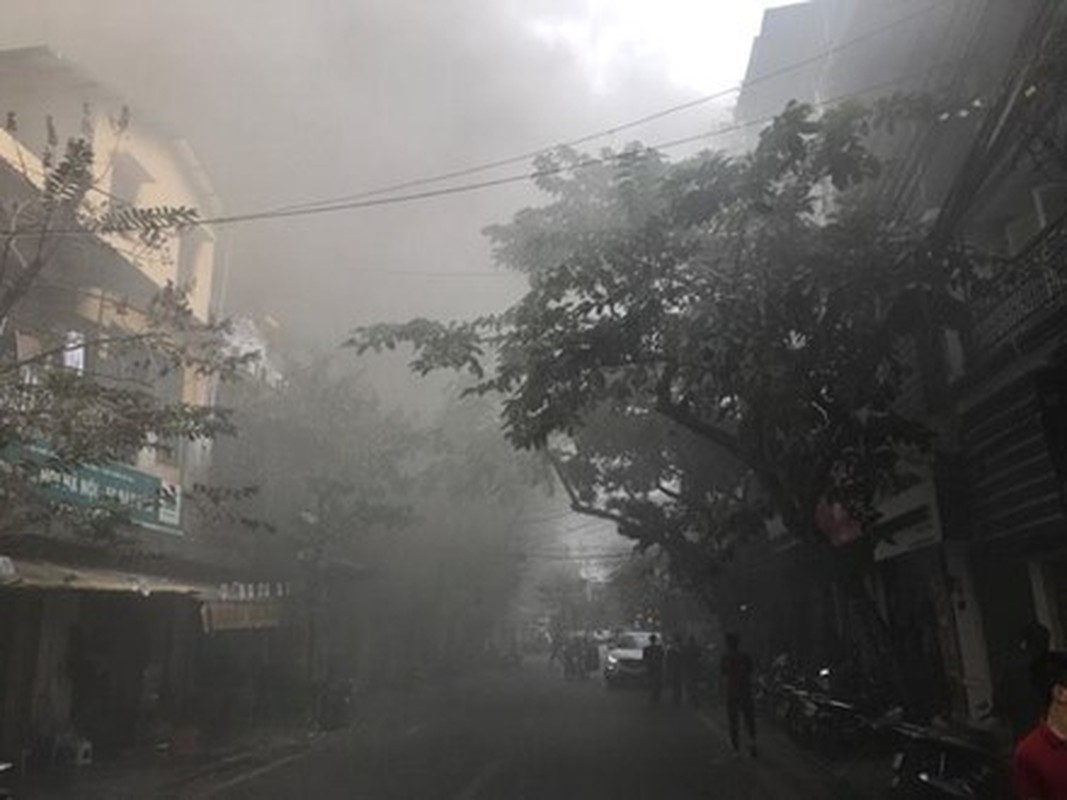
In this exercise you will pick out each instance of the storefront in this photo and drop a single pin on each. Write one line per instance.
(918, 592)
(1012, 446)
(99, 656)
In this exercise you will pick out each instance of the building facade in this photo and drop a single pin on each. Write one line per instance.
(972, 553)
(108, 643)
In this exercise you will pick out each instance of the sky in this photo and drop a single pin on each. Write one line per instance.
(287, 102)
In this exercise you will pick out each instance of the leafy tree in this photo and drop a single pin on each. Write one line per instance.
(750, 301)
(427, 512)
(665, 488)
(329, 463)
(333, 475)
(54, 230)
(640, 589)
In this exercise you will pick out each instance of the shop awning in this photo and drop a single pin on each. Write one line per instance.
(18, 573)
(224, 607)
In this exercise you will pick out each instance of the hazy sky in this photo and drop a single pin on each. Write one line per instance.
(289, 101)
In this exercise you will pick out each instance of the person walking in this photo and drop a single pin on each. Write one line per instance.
(652, 655)
(592, 656)
(572, 658)
(555, 653)
(736, 670)
(1039, 765)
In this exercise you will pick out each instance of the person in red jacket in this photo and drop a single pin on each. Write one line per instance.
(1040, 763)
(736, 670)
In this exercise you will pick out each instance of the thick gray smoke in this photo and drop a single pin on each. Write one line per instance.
(287, 102)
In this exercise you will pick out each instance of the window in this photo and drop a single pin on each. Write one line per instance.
(74, 352)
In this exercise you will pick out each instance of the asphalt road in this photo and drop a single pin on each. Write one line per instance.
(527, 736)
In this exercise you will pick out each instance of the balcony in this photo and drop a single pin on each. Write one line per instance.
(1031, 292)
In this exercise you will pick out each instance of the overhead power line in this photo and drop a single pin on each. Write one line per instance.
(525, 157)
(473, 186)
(466, 188)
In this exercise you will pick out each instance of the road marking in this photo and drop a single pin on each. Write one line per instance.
(481, 780)
(414, 730)
(255, 773)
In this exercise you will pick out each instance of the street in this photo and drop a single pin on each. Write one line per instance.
(532, 735)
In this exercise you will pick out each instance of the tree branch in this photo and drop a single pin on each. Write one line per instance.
(557, 467)
(11, 297)
(9, 242)
(669, 492)
(599, 513)
(729, 442)
(577, 505)
(44, 355)
(713, 433)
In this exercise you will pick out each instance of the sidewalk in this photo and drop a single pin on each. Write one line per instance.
(785, 764)
(145, 773)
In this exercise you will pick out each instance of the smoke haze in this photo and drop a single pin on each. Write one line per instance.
(290, 102)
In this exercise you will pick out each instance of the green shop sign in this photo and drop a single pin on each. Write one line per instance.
(148, 500)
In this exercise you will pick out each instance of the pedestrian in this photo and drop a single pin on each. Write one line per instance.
(592, 656)
(1039, 766)
(555, 652)
(652, 656)
(581, 656)
(736, 670)
(674, 669)
(571, 657)
(691, 671)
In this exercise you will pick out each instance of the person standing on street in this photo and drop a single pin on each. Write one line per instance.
(1039, 767)
(652, 655)
(556, 644)
(736, 670)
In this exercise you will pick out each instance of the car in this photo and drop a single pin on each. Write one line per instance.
(625, 664)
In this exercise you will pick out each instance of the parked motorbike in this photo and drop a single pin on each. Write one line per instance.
(841, 728)
(935, 764)
(5, 769)
(808, 710)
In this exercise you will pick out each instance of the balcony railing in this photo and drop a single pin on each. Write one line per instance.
(1031, 290)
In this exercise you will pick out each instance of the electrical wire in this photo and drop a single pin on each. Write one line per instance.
(354, 201)
(623, 126)
(466, 188)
